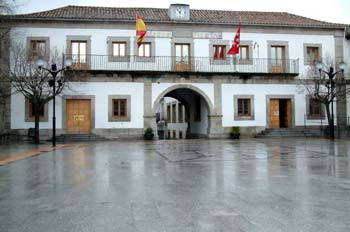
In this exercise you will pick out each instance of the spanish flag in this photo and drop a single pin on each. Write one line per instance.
(141, 30)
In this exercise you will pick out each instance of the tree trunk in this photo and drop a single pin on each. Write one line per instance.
(330, 119)
(328, 112)
(36, 131)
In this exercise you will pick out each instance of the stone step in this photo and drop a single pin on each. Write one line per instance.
(79, 137)
(288, 132)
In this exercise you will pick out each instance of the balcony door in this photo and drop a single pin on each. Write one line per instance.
(278, 60)
(78, 51)
(182, 57)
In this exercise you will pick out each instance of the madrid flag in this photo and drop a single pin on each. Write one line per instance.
(234, 50)
(141, 30)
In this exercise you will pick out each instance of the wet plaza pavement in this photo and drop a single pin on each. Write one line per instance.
(192, 185)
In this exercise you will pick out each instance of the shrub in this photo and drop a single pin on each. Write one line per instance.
(148, 134)
(235, 130)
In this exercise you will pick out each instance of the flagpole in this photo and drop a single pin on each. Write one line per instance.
(234, 50)
(141, 29)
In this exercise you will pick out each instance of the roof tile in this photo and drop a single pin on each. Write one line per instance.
(86, 13)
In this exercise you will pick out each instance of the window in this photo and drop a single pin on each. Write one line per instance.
(245, 56)
(243, 53)
(37, 49)
(118, 49)
(312, 55)
(29, 112)
(219, 52)
(119, 107)
(278, 59)
(244, 107)
(314, 109)
(315, 106)
(79, 48)
(182, 57)
(78, 51)
(145, 50)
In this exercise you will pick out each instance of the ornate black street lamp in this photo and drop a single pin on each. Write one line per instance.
(331, 87)
(41, 63)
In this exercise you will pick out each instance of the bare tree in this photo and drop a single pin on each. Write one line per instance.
(33, 83)
(326, 86)
(7, 6)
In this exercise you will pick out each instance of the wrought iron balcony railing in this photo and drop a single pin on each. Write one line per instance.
(183, 64)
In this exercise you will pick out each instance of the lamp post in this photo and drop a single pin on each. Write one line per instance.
(52, 83)
(330, 87)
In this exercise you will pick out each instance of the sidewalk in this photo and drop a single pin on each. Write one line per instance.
(17, 151)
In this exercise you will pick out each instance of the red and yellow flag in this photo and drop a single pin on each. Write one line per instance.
(141, 30)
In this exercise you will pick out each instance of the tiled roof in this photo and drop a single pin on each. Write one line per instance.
(86, 13)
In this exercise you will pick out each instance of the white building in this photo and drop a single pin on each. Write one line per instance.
(184, 57)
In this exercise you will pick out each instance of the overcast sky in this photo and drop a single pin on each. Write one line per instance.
(337, 11)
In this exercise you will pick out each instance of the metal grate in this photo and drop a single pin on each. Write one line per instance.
(185, 64)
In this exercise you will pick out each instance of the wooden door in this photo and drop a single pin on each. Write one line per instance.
(278, 62)
(78, 116)
(274, 113)
(288, 112)
(182, 57)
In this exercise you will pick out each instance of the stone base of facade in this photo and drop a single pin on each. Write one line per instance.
(46, 134)
(130, 133)
(137, 133)
(23, 134)
(5, 115)
(114, 133)
(249, 132)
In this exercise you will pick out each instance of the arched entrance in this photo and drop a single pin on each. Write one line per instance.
(182, 111)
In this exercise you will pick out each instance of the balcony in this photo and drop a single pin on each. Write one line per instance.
(184, 64)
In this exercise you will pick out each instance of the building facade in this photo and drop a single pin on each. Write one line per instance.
(5, 88)
(120, 86)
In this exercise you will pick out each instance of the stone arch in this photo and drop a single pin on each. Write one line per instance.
(184, 86)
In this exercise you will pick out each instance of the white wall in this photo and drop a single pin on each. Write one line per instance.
(347, 71)
(347, 57)
(101, 92)
(260, 91)
(201, 47)
(58, 38)
(295, 42)
(199, 127)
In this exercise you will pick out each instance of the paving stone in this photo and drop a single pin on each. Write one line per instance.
(185, 185)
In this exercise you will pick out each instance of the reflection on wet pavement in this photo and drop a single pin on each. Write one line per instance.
(191, 185)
